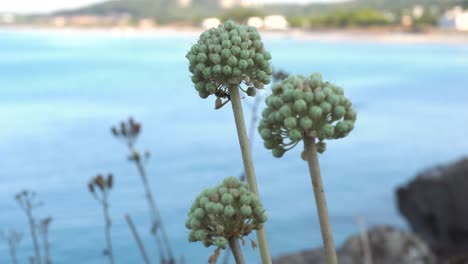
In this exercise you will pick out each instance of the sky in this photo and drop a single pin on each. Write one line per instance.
(43, 6)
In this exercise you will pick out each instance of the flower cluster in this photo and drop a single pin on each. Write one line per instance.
(226, 56)
(301, 106)
(229, 210)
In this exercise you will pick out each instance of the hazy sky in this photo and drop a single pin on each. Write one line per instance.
(28, 6)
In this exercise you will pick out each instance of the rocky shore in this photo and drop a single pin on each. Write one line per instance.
(436, 208)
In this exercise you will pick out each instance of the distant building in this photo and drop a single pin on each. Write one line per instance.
(406, 20)
(455, 19)
(7, 19)
(233, 3)
(255, 22)
(275, 22)
(184, 3)
(210, 23)
(59, 21)
(418, 11)
(146, 23)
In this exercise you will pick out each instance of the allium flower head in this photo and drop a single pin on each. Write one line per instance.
(229, 55)
(229, 210)
(301, 106)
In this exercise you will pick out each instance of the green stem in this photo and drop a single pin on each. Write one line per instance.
(236, 250)
(314, 169)
(248, 164)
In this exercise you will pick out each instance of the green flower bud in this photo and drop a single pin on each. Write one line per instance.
(229, 211)
(226, 54)
(201, 57)
(259, 58)
(298, 94)
(251, 91)
(278, 152)
(300, 106)
(246, 211)
(319, 97)
(236, 72)
(288, 94)
(231, 182)
(232, 61)
(217, 69)
(309, 97)
(236, 40)
(321, 147)
(327, 131)
(221, 242)
(195, 223)
(295, 135)
(333, 99)
(316, 112)
(200, 234)
(226, 44)
(245, 199)
(257, 44)
(290, 122)
(215, 58)
(227, 198)
(227, 70)
(315, 80)
(339, 112)
(245, 54)
(243, 64)
(285, 110)
(306, 123)
(351, 115)
(267, 55)
(209, 207)
(235, 50)
(203, 94)
(258, 211)
(228, 25)
(222, 190)
(218, 208)
(342, 128)
(199, 213)
(269, 144)
(326, 107)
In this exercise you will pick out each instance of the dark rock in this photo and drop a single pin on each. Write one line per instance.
(387, 246)
(436, 206)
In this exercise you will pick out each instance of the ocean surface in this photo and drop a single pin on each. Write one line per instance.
(61, 92)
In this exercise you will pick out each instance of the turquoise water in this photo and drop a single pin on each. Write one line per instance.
(60, 93)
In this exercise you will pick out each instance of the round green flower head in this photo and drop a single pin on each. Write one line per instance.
(229, 210)
(229, 55)
(301, 106)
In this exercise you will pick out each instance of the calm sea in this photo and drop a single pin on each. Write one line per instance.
(61, 92)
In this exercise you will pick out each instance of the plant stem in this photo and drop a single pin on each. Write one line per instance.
(105, 208)
(236, 250)
(12, 246)
(248, 164)
(157, 221)
(46, 244)
(137, 239)
(314, 169)
(32, 227)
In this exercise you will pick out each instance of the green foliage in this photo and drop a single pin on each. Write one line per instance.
(229, 56)
(229, 210)
(300, 106)
(360, 17)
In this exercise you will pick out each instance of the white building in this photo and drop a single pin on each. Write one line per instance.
(210, 23)
(455, 19)
(184, 3)
(275, 22)
(255, 22)
(242, 3)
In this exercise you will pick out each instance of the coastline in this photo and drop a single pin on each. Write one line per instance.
(332, 35)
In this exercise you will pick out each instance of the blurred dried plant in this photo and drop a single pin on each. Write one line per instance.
(44, 231)
(28, 201)
(12, 238)
(99, 187)
(128, 132)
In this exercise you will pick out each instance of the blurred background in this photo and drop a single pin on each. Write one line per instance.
(70, 70)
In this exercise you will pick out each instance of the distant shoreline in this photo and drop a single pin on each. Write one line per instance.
(353, 35)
